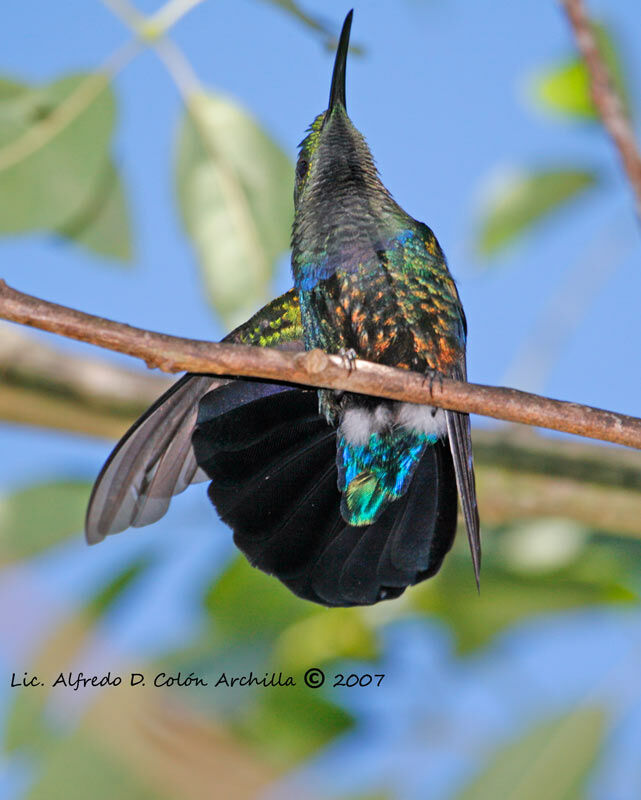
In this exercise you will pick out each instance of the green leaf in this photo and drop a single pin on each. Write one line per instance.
(38, 517)
(291, 724)
(77, 767)
(103, 224)
(245, 602)
(321, 638)
(565, 88)
(520, 199)
(111, 593)
(247, 607)
(9, 89)
(235, 194)
(54, 149)
(553, 760)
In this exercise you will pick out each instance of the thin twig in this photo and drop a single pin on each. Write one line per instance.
(173, 11)
(180, 70)
(126, 13)
(317, 369)
(605, 97)
(153, 26)
(154, 30)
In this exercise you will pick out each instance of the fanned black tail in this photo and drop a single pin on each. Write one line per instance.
(272, 462)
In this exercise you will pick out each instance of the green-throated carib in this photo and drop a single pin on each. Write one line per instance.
(347, 499)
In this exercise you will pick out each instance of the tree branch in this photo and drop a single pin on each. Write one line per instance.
(605, 97)
(522, 475)
(54, 388)
(317, 369)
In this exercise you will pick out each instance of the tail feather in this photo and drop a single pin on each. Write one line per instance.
(259, 456)
(289, 555)
(405, 545)
(460, 437)
(274, 480)
(431, 508)
(359, 576)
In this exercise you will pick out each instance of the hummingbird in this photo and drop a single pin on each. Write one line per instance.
(347, 499)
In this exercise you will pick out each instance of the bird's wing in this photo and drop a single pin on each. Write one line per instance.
(458, 428)
(154, 460)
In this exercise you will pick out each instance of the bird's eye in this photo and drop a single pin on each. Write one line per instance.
(301, 169)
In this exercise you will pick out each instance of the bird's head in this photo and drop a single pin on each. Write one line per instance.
(335, 169)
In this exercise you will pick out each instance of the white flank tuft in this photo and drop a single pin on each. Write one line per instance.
(358, 425)
(383, 417)
(424, 419)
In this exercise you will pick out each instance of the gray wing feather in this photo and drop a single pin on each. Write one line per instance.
(458, 429)
(150, 464)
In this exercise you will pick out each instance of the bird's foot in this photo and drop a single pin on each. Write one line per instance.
(348, 355)
(430, 377)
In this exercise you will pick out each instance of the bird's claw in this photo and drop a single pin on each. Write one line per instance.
(430, 376)
(348, 356)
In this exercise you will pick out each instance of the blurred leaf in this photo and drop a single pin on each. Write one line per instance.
(261, 626)
(291, 724)
(553, 760)
(53, 153)
(244, 602)
(8, 90)
(327, 30)
(103, 224)
(40, 516)
(235, 193)
(565, 88)
(520, 199)
(604, 572)
(103, 600)
(319, 638)
(76, 767)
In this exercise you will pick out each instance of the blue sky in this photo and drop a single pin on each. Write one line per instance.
(441, 97)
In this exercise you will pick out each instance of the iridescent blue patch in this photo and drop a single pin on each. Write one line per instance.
(309, 274)
(373, 474)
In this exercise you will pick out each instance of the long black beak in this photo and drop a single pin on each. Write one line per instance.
(337, 92)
